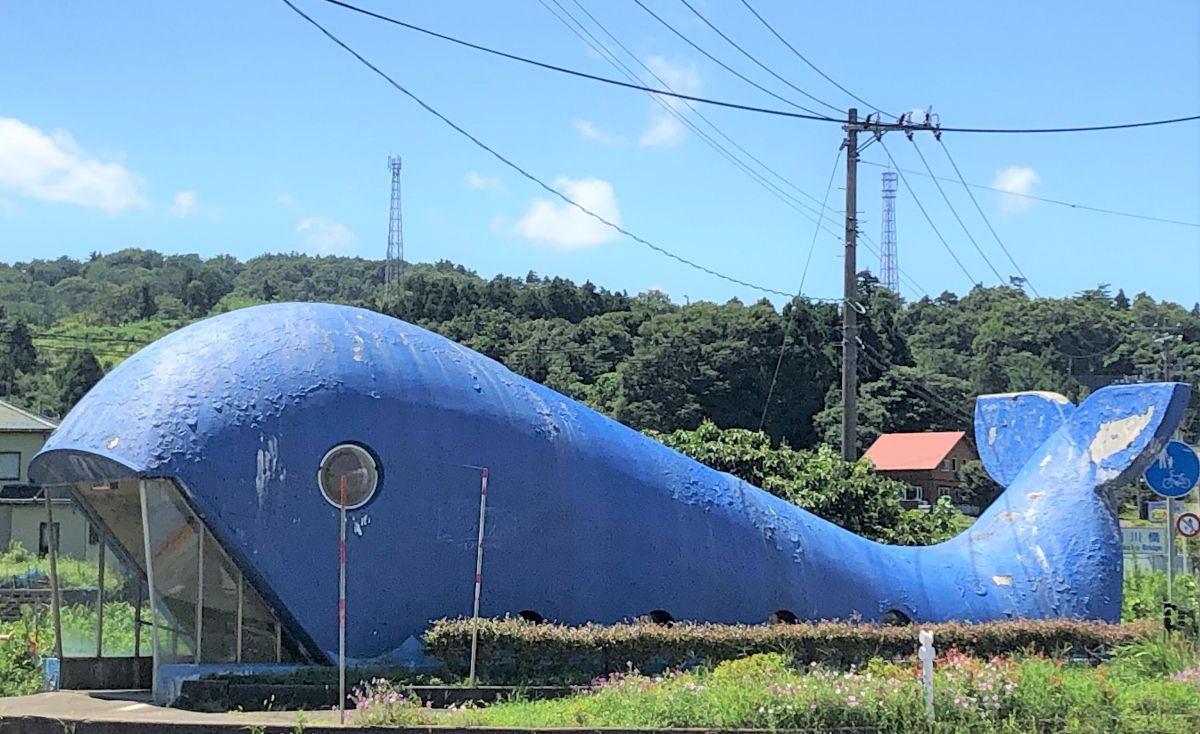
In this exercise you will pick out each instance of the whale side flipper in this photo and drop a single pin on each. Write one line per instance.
(1010, 428)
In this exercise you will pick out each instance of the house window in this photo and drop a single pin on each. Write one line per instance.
(10, 465)
(44, 538)
(946, 492)
(914, 493)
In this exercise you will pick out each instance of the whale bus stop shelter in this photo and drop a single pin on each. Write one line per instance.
(159, 592)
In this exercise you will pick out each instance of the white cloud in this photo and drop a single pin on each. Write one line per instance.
(323, 236)
(588, 131)
(1016, 180)
(54, 168)
(565, 227)
(665, 129)
(472, 180)
(182, 205)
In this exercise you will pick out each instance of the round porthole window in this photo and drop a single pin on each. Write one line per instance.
(357, 466)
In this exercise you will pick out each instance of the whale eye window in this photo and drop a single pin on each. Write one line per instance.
(360, 470)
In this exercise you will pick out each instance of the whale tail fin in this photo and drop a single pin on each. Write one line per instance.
(1050, 545)
(1009, 428)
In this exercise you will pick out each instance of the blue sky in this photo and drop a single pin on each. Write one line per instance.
(234, 127)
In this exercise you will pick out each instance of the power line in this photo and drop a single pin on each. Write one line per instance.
(787, 326)
(522, 172)
(928, 219)
(604, 52)
(720, 63)
(750, 56)
(731, 105)
(574, 72)
(985, 218)
(1079, 129)
(785, 181)
(810, 64)
(1059, 202)
(954, 211)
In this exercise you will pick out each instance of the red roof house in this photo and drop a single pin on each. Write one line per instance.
(927, 462)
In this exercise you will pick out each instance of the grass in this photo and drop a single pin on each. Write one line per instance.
(1009, 695)
(20, 567)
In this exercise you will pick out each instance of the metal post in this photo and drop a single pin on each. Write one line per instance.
(137, 623)
(199, 592)
(483, 483)
(1170, 550)
(240, 603)
(149, 549)
(55, 601)
(342, 600)
(849, 296)
(100, 596)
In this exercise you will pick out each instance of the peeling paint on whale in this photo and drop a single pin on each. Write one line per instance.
(593, 521)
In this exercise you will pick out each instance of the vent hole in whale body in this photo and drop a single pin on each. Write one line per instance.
(782, 616)
(896, 618)
(528, 615)
(660, 616)
(357, 466)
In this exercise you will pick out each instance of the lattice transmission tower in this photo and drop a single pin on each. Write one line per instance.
(889, 269)
(394, 267)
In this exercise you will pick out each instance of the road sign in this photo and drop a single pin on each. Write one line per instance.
(1188, 524)
(1144, 540)
(1175, 472)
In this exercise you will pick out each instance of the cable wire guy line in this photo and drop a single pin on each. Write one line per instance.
(576, 73)
(525, 174)
(720, 63)
(752, 58)
(810, 64)
(1071, 205)
(726, 104)
(983, 216)
(954, 211)
(787, 324)
(606, 53)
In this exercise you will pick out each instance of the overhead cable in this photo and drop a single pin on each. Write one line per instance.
(525, 174)
(954, 211)
(810, 64)
(807, 115)
(754, 59)
(787, 324)
(1034, 197)
(985, 219)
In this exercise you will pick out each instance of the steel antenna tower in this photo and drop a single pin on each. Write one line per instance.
(394, 266)
(889, 271)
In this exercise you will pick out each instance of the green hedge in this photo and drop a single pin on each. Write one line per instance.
(513, 651)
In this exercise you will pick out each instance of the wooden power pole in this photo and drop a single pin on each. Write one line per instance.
(849, 297)
(872, 125)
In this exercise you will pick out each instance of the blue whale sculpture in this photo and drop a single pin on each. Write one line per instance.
(587, 520)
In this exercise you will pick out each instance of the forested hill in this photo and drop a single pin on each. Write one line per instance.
(646, 361)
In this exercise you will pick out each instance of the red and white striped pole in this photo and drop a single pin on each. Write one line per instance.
(342, 600)
(478, 574)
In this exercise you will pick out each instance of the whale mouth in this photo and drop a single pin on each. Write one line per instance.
(205, 604)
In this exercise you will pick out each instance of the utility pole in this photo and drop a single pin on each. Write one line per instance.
(849, 294)
(874, 125)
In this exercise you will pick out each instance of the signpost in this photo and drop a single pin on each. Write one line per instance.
(1188, 524)
(1173, 475)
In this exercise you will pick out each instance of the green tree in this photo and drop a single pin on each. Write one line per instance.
(849, 494)
(79, 374)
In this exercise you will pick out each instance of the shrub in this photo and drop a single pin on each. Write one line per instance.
(516, 652)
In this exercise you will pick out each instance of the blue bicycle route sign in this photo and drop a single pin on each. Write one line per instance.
(1175, 472)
